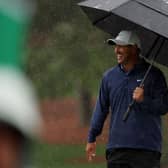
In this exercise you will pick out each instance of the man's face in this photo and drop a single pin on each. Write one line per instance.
(124, 54)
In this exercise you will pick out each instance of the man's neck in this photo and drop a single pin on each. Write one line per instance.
(130, 65)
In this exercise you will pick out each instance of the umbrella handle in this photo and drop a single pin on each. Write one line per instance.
(126, 114)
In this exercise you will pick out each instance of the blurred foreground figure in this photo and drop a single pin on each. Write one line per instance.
(19, 117)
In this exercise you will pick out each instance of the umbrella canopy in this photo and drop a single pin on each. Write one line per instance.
(148, 18)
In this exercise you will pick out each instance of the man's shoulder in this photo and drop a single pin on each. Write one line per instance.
(154, 70)
(157, 71)
(110, 71)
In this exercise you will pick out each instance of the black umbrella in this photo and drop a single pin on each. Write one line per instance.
(149, 18)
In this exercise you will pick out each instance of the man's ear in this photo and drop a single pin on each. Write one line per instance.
(136, 49)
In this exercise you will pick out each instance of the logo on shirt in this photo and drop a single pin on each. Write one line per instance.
(139, 80)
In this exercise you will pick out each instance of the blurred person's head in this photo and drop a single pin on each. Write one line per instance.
(19, 118)
(11, 146)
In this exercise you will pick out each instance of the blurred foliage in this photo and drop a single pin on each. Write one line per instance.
(66, 50)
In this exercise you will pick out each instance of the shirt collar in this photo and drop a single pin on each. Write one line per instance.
(142, 64)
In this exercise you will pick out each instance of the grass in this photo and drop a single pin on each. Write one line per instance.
(64, 156)
(67, 156)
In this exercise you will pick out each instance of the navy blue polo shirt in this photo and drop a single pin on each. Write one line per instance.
(142, 130)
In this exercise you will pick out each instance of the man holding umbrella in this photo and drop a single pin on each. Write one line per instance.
(136, 142)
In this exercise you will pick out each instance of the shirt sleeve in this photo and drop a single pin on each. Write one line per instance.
(100, 112)
(157, 103)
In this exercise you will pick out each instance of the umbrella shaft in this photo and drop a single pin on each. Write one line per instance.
(126, 114)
